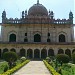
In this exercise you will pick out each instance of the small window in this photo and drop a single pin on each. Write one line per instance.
(48, 34)
(25, 34)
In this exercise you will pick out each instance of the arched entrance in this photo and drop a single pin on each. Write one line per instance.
(68, 52)
(62, 38)
(43, 53)
(29, 53)
(12, 38)
(60, 51)
(22, 52)
(37, 38)
(36, 53)
(73, 51)
(5, 50)
(50, 52)
(13, 50)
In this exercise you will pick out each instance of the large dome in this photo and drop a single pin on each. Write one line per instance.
(38, 9)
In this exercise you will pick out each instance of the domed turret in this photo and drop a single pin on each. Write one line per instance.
(38, 9)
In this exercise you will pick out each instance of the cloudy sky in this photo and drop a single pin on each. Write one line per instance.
(14, 8)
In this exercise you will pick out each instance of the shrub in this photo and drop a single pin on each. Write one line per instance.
(48, 59)
(22, 59)
(6, 67)
(62, 58)
(73, 58)
(10, 57)
(51, 69)
(9, 72)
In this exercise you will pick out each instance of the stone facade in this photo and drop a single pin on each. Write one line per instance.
(37, 33)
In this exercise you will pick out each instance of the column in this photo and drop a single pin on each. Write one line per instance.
(33, 54)
(47, 53)
(26, 53)
(40, 54)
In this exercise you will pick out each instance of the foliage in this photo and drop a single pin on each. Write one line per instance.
(73, 58)
(10, 57)
(62, 58)
(51, 69)
(23, 59)
(48, 59)
(9, 72)
(3, 66)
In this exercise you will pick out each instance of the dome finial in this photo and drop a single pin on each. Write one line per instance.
(37, 1)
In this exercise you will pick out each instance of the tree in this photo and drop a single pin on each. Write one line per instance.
(62, 58)
(73, 58)
(10, 57)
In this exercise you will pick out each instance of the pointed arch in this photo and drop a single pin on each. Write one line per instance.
(12, 37)
(43, 53)
(60, 51)
(62, 38)
(13, 50)
(22, 52)
(37, 38)
(36, 53)
(29, 53)
(68, 52)
(50, 52)
(5, 50)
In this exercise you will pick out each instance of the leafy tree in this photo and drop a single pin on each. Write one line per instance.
(62, 58)
(10, 57)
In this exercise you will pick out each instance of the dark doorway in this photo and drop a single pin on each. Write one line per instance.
(36, 53)
(5, 50)
(37, 38)
(29, 53)
(13, 50)
(60, 51)
(68, 52)
(22, 52)
(50, 52)
(44, 53)
(61, 38)
(12, 38)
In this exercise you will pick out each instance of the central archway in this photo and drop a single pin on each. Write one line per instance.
(37, 38)
(43, 53)
(36, 53)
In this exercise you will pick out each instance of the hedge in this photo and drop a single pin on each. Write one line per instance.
(9, 72)
(50, 68)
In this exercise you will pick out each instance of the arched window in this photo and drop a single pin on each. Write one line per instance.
(37, 38)
(12, 38)
(61, 38)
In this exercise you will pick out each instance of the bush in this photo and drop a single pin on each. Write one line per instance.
(73, 58)
(51, 69)
(6, 67)
(62, 58)
(10, 57)
(22, 59)
(9, 72)
(48, 59)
